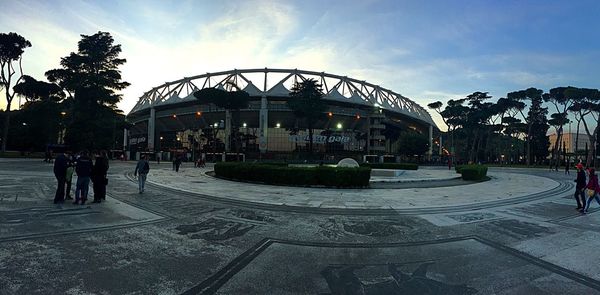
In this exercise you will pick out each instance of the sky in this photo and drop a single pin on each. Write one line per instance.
(424, 50)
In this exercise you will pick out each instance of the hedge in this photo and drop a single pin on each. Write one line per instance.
(472, 172)
(297, 176)
(396, 166)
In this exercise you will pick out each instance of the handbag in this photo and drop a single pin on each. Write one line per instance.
(590, 192)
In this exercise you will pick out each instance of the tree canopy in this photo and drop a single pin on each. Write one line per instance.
(92, 79)
(12, 47)
(306, 102)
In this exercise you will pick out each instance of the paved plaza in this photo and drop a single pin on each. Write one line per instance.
(191, 233)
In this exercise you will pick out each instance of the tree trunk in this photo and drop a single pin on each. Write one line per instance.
(592, 151)
(555, 151)
(474, 147)
(528, 142)
(5, 131)
(587, 131)
(577, 139)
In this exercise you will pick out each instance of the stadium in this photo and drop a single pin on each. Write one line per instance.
(362, 118)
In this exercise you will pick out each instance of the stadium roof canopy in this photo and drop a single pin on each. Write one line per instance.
(277, 83)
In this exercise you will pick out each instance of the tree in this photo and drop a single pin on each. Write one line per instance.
(306, 102)
(92, 79)
(586, 102)
(537, 141)
(413, 144)
(12, 46)
(41, 113)
(34, 90)
(562, 103)
(476, 120)
(437, 107)
(230, 101)
(517, 100)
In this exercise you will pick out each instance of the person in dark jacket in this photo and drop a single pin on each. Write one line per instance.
(83, 168)
(142, 168)
(69, 176)
(580, 187)
(60, 172)
(99, 173)
(178, 161)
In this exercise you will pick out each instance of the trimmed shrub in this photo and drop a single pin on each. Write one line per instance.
(457, 168)
(473, 172)
(298, 176)
(395, 166)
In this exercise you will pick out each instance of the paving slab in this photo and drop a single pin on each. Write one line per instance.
(501, 186)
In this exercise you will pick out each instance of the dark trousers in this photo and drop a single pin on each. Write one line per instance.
(99, 189)
(60, 190)
(68, 193)
(580, 197)
(177, 167)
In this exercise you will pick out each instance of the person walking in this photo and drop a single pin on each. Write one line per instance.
(567, 164)
(60, 172)
(69, 176)
(178, 161)
(83, 168)
(593, 189)
(99, 177)
(141, 171)
(580, 187)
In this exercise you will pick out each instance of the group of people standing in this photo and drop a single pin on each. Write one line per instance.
(586, 185)
(67, 163)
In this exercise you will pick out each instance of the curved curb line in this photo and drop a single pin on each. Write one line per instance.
(559, 190)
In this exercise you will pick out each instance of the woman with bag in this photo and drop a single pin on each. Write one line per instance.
(592, 190)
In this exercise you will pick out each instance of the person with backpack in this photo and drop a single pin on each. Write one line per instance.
(142, 168)
(593, 190)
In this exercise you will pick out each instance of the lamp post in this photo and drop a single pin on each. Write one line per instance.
(214, 138)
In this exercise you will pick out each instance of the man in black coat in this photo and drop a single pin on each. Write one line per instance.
(99, 179)
(60, 172)
(580, 187)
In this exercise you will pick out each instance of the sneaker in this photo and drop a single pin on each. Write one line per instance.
(69, 198)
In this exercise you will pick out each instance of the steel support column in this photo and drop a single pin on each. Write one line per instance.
(151, 127)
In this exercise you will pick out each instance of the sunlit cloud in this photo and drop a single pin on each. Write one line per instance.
(427, 52)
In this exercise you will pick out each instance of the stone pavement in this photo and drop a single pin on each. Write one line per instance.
(502, 187)
(178, 241)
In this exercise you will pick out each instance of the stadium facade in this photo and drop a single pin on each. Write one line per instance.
(362, 118)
